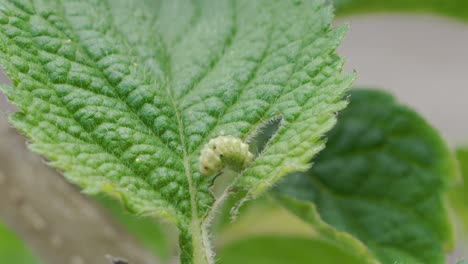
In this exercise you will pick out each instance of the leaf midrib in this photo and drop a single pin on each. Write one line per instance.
(174, 102)
(152, 132)
(194, 20)
(226, 46)
(264, 55)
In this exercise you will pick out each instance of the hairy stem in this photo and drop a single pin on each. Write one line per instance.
(194, 245)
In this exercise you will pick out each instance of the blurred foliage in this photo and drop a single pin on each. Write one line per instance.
(266, 232)
(452, 8)
(269, 249)
(383, 178)
(459, 193)
(13, 250)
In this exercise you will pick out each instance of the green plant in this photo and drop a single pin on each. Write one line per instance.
(124, 99)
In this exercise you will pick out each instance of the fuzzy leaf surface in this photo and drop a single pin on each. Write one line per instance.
(121, 96)
(382, 178)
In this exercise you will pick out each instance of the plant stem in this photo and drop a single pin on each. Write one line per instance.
(194, 246)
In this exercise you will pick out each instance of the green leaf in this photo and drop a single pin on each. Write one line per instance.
(382, 178)
(121, 96)
(266, 232)
(13, 250)
(453, 8)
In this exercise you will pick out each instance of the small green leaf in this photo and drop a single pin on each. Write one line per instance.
(122, 95)
(266, 232)
(382, 178)
(453, 8)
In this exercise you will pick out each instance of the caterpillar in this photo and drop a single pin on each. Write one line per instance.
(224, 151)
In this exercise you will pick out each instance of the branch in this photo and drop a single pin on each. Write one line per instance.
(51, 216)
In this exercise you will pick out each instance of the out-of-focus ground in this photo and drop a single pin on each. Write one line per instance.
(423, 60)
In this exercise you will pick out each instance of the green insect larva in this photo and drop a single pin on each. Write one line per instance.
(222, 152)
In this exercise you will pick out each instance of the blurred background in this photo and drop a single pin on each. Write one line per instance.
(421, 58)
(423, 61)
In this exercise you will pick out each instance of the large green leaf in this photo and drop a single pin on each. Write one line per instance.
(122, 95)
(453, 8)
(382, 178)
(266, 232)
